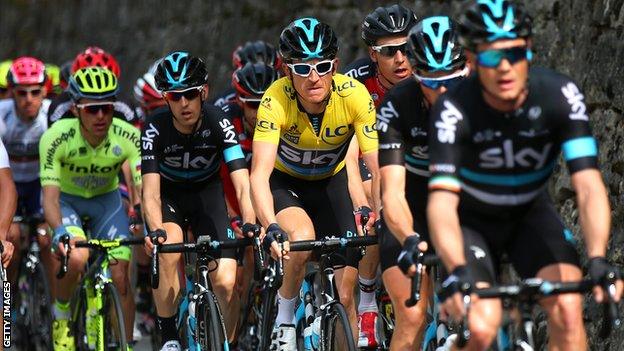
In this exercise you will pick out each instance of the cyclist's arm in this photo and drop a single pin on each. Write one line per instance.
(356, 189)
(397, 214)
(444, 228)
(594, 210)
(152, 206)
(262, 163)
(240, 180)
(366, 134)
(372, 163)
(52, 205)
(8, 199)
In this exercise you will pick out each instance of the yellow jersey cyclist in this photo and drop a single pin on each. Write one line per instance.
(81, 158)
(299, 183)
(182, 149)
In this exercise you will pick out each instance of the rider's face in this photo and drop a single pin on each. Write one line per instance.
(313, 88)
(96, 116)
(28, 99)
(186, 106)
(393, 68)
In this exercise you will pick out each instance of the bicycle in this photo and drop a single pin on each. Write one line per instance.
(33, 299)
(199, 315)
(527, 293)
(95, 308)
(329, 315)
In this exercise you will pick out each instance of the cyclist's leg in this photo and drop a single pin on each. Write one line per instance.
(544, 248)
(410, 322)
(210, 218)
(485, 314)
(109, 222)
(169, 285)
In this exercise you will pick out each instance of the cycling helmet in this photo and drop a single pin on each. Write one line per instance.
(307, 38)
(433, 45)
(26, 70)
(145, 91)
(484, 21)
(253, 79)
(95, 56)
(93, 83)
(256, 51)
(180, 70)
(394, 20)
(4, 72)
(65, 74)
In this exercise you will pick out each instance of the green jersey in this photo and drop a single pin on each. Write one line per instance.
(68, 161)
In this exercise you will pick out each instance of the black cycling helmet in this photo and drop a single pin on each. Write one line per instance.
(253, 79)
(394, 20)
(487, 21)
(255, 51)
(308, 38)
(180, 70)
(432, 45)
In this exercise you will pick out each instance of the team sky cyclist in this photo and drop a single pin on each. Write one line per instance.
(438, 63)
(182, 149)
(304, 125)
(81, 159)
(257, 51)
(494, 141)
(384, 31)
(23, 119)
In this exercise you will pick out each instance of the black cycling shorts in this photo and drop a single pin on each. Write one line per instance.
(389, 246)
(202, 207)
(532, 237)
(327, 202)
(364, 172)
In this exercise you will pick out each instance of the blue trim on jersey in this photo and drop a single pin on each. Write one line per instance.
(416, 161)
(233, 153)
(579, 147)
(186, 174)
(307, 171)
(508, 180)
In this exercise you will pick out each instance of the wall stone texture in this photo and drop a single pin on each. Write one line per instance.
(581, 38)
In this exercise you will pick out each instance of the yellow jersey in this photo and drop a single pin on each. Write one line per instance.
(301, 152)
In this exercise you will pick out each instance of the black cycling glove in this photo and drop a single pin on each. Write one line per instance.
(600, 270)
(273, 233)
(252, 228)
(460, 280)
(409, 254)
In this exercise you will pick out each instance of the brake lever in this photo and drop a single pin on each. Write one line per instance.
(154, 272)
(64, 259)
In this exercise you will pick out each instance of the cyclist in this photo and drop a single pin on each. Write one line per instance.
(8, 203)
(494, 141)
(90, 57)
(304, 125)
(384, 31)
(53, 83)
(147, 94)
(22, 122)
(251, 51)
(182, 150)
(82, 157)
(4, 84)
(438, 62)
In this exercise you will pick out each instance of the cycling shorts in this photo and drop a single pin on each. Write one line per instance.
(107, 217)
(326, 201)
(365, 174)
(390, 246)
(202, 207)
(532, 236)
(28, 198)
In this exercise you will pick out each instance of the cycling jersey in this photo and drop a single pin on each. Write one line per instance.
(4, 158)
(365, 71)
(302, 153)
(505, 159)
(228, 96)
(189, 159)
(22, 139)
(70, 162)
(61, 105)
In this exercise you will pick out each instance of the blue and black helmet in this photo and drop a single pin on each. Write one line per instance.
(389, 21)
(308, 38)
(432, 45)
(180, 70)
(484, 21)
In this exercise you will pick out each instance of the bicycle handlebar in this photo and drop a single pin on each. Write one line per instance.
(422, 261)
(332, 243)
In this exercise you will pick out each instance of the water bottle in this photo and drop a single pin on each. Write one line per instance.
(315, 336)
(309, 320)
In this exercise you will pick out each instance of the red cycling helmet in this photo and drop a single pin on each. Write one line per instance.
(95, 56)
(26, 70)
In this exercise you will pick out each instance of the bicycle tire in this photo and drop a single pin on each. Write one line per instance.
(114, 326)
(41, 314)
(210, 320)
(248, 339)
(268, 313)
(336, 330)
(79, 320)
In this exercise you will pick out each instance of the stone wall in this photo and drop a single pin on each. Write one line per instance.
(582, 38)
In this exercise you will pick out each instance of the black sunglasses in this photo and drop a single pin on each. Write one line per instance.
(188, 94)
(94, 108)
(390, 50)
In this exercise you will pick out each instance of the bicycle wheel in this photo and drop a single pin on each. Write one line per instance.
(114, 332)
(210, 325)
(79, 319)
(268, 313)
(40, 310)
(249, 322)
(336, 330)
